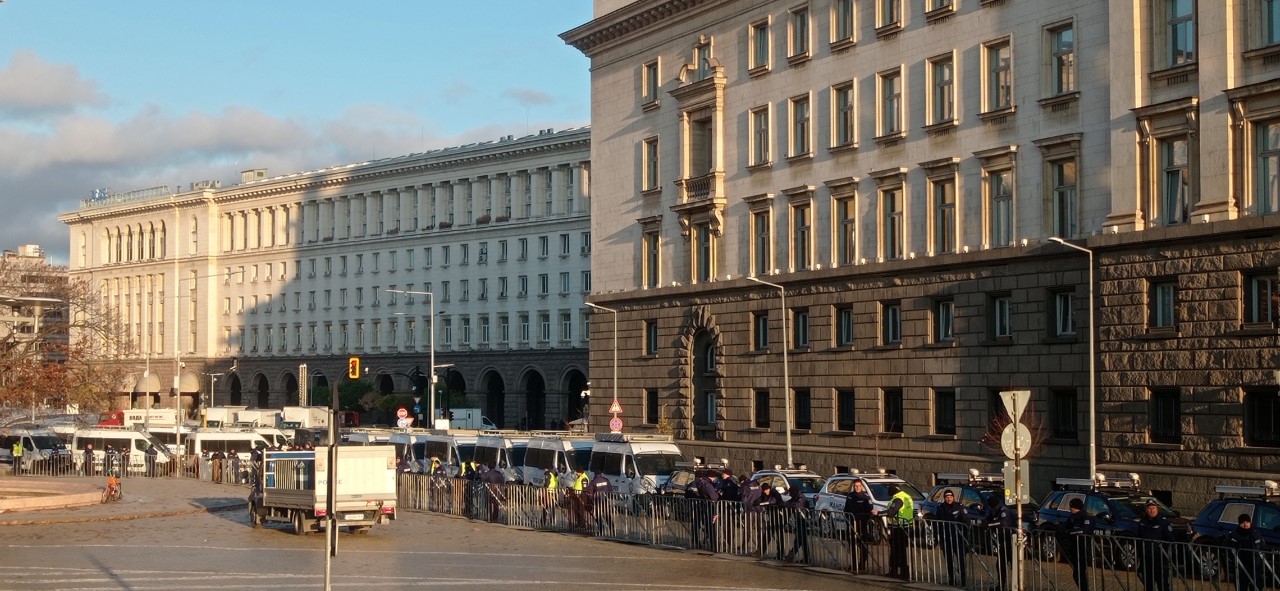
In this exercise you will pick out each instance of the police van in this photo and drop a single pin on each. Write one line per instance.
(635, 463)
(132, 443)
(38, 446)
(562, 453)
(206, 442)
(504, 450)
(452, 447)
(368, 436)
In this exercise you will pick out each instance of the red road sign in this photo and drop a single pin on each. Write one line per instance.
(402, 413)
(615, 425)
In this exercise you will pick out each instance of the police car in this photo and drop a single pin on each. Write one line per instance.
(1116, 506)
(787, 482)
(1220, 517)
(838, 487)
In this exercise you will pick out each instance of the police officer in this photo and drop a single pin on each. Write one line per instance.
(704, 511)
(152, 454)
(751, 494)
(954, 529)
(493, 482)
(858, 511)
(799, 506)
(88, 459)
(770, 499)
(549, 492)
(1001, 522)
(598, 489)
(1247, 542)
(729, 487)
(108, 459)
(1153, 529)
(901, 514)
(579, 511)
(1075, 541)
(17, 456)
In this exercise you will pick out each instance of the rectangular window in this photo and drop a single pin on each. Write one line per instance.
(544, 284)
(1001, 317)
(1180, 32)
(544, 327)
(846, 231)
(504, 328)
(1175, 181)
(999, 187)
(801, 236)
(1261, 301)
(944, 317)
(1064, 318)
(845, 415)
(544, 246)
(892, 418)
(586, 282)
(890, 102)
(759, 45)
(890, 323)
(651, 407)
(944, 412)
(523, 282)
(760, 331)
(650, 165)
(843, 115)
(651, 337)
(943, 96)
(799, 109)
(944, 214)
(1166, 416)
(1161, 305)
(761, 418)
(1062, 178)
(762, 259)
(652, 259)
(1062, 414)
(1262, 418)
(1062, 60)
(844, 327)
(888, 13)
(999, 72)
(842, 20)
(803, 409)
(649, 81)
(1267, 181)
(564, 283)
(798, 33)
(566, 326)
(800, 327)
(760, 136)
(891, 223)
(704, 253)
(524, 328)
(1270, 22)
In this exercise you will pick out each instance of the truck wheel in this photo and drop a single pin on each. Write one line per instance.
(299, 527)
(255, 520)
(361, 529)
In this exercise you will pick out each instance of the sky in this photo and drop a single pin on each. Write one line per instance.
(132, 94)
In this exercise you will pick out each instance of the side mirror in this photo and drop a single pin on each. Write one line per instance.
(1104, 516)
(975, 507)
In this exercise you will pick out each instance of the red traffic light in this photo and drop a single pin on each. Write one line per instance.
(353, 368)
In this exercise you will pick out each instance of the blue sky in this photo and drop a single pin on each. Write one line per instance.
(139, 93)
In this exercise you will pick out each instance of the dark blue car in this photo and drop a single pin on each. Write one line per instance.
(1220, 517)
(1116, 506)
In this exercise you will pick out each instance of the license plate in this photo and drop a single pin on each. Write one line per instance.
(353, 516)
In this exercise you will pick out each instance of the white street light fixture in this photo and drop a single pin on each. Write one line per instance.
(786, 375)
(1093, 332)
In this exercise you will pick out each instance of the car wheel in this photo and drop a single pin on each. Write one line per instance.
(299, 527)
(1125, 553)
(1209, 560)
(1047, 546)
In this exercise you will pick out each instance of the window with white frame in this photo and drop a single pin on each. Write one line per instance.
(649, 165)
(890, 104)
(942, 193)
(762, 242)
(1180, 31)
(998, 61)
(649, 81)
(760, 331)
(703, 242)
(944, 315)
(1061, 45)
(1173, 190)
(701, 60)
(800, 129)
(888, 13)
(844, 118)
(1001, 316)
(1064, 315)
(524, 327)
(1268, 17)
(759, 135)
(844, 326)
(798, 33)
(800, 327)
(891, 215)
(801, 235)
(942, 95)
(544, 327)
(1261, 300)
(890, 323)
(759, 46)
(998, 186)
(1160, 305)
(651, 261)
(842, 23)
(1266, 182)
(844, 208)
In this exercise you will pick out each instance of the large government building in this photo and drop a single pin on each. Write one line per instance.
(481, 250)
(897, 174)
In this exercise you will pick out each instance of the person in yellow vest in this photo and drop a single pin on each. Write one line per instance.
(549, 493)
(578, 513)
(17, 456)
(901, 514)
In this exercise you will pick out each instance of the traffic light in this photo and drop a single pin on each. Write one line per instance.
(353, 368)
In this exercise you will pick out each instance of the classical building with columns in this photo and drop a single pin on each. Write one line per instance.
(242, 284)
(898, 171)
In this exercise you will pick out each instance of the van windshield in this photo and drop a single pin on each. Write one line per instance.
(580, 457)
(48, 442)
(466, 452)
(659, 463)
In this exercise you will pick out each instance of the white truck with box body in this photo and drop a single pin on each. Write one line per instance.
(470, 418)
(293, 487)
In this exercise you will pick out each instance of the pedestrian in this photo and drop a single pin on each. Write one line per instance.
(402, 465)
(215, 461)
(1246, 542)
(493, 483)
(578, 507)
(88, 459)
(549, 493)
(1000, 521)
(1076, 542)
(953, 530)
(770, 501)
(858, 511)
(901, 517)
(108, 459)
(729, 490)
(152, 455)
(798, 506)
(17, 456)
(598, 490)
(1155, 532)
(703, 533)
(751, 493)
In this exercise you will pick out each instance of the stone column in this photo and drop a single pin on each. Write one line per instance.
(557, 178)
(326, 219)
(441, 193)
(582, 197)
(480, 201)
(390, 211)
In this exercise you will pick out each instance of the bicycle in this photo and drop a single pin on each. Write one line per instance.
(112, 491)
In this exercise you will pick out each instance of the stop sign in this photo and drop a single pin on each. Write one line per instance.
(402, 413)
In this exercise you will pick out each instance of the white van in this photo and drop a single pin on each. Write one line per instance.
(451, 447)
(38, 445)
(635, 463)
(132, 444)
(561, 453)
(368, 436)
(168, 435)
(205, 442)
(503, 451)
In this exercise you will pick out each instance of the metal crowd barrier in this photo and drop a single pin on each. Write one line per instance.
(961, 555)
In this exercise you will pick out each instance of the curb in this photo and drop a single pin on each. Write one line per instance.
(128, 517)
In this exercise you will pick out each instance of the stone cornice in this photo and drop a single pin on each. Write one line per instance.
(625, 22)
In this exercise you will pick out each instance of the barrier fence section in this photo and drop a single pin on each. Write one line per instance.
(970, 556)
(221, 470)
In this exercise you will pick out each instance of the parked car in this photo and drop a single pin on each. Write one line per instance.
(786, 482)
(835, 490)
(973, 490)
(1116, 505)
(1211, 528)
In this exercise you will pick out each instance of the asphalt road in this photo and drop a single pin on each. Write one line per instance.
(419, 551)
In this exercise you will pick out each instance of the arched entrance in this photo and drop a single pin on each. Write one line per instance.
(386, 385)
(705, 392)
(264, 392)
(535, 392)
(574, 383)
(455, 390)
(290, 390)
(495, 406)
(319, 387)
(235, 388)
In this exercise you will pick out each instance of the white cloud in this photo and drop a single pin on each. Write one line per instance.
(528, 97)
(30, 86)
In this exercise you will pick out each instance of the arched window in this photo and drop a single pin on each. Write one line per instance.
(163, 241)
(128, 245)
(151, 241)
(84, 249)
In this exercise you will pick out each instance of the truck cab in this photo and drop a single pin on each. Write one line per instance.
(559, 452)
(503, 451)
(635, 463)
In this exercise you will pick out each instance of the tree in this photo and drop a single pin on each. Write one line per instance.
(350, 393)
(61, 342)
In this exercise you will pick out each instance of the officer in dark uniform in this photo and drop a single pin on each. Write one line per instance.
(493, 481)
(704, 511)
(799, 509)
(953, 531)
(751, 494)
(1001, 522)
(770, 500)
(597, 497)
(88, 459)
(1247, 542)
(901, 516)
(729, 487)
(152, 454)
(1154, 531)
(1075, 541)
(857, 511)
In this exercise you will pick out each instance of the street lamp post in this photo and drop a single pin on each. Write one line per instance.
(615, 346)
(431, 301)
(1093, 332)
(213, 377)
(786, 376)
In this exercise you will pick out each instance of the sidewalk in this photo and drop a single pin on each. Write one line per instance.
(143, 497)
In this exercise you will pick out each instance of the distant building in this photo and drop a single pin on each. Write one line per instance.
(305, 268)
(900, 167)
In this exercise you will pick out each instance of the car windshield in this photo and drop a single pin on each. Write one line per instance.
(880, 491)
(809, 485)
(48, 442)
(1134, 507)
(659, 463)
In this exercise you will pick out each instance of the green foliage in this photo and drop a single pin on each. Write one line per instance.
(350, 393)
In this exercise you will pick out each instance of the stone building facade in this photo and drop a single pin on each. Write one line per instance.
(899, 168)
(480, 251)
